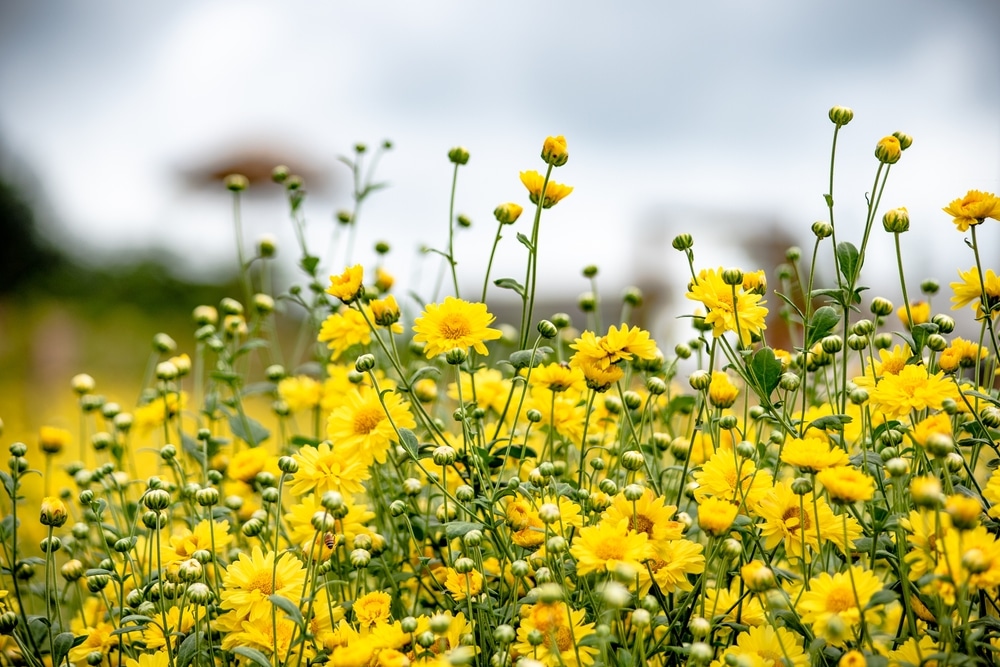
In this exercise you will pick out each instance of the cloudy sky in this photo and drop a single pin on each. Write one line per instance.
(704, 117)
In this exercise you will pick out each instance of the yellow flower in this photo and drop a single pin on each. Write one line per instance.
(961, 353)
(915, 652)
(722, 392)
(153, 635)
(385, 311)
(248, 584)
(324, 468)
(802, 523)
(607, 547)
(938, 423)
(599, 378)
(563, 631)
(812, 454)
(361, 423)
(184, 543)
(507, 214)
(300, 392)
(672, 562)
(454, 324)
(846, 485)
(383, 280)
(157, 659)
(53, 440)
(755, 281)
(743, 312)
(913, 388)
(969, 291)
(344, 329)
(372, 608)
(832, 602)
(488, 386)
(650, 514)
(733, 479)
(245, 465)
(618, 345)
(347, 286)
(554, 192)
(730, 605)
(554, 151)
(462, 586)
(715, 516)
(766, 646)
(973, 209)
(919, 310)
(558, 377)
(889, 362)
(302, 533)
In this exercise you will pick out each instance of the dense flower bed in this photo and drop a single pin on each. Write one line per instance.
(450, 491)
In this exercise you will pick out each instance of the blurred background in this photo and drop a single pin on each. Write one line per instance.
(118, 121)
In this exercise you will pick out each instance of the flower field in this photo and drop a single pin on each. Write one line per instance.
(431, 486)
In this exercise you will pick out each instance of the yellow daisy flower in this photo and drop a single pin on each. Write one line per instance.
(325, 468)
(563, 630)
(554, 192)
(650, 514)
(743, 312)
(463, 585)
(728, 477)
(343, 330)
(973, 209)
(372, 608)
(845, 484)
(362, 424)
(833, 602)
(247, 583)
(300, 392)
(970, 291)
(454, 324)
(607, 546)
(802, 523)
(771, 646)
(913, 388)
(347, 286)
(812, 454)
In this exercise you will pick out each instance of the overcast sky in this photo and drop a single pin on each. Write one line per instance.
(679, 117)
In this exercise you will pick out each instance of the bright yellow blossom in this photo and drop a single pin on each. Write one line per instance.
(973, 209)
(454, 324)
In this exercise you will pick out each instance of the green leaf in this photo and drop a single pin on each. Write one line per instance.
(822, 323)
(765, 371)
(920, 332)
(254, 435)
(61, 644)
(455, 529)
(882, 597)
(848, 257)
(302, 440)
(831, 422)
(309, 264)
(253, 655)
(526, 242)
(511, 284)
(186, 652)
(287, 606)
(409, 442)
(511, 451)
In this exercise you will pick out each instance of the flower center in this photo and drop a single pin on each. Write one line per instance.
(454, 327)
(261, 581)
(840, 599)
(563, 638)
(610, 550)
(366, 419)
(794, 521)
(641, 524)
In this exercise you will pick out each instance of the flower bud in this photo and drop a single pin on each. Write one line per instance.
(841, 116)
(881, 306)
(236, 182)
(364, 363)
(905, 140)
(547, 329)
(444, 455)
(507, 214)
(554, 151)
(732, 276)
(896, 221)
(53, 512)
(456, 356)
(888, 150)
(72, 570)
(945, 324)
(360, 558)
(700, 380)
(822, 229)
(458, 155)
(682, 242)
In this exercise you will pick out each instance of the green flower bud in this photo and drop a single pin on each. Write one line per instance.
(458, 155)
(841, 116)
